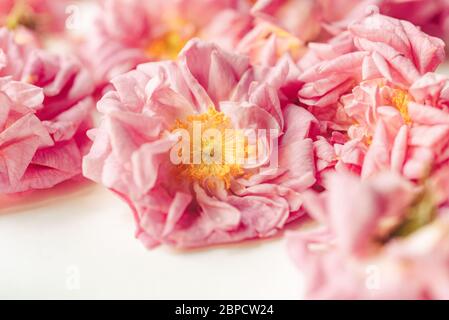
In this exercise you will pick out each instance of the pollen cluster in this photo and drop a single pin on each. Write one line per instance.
(221, 147)
(400, 100)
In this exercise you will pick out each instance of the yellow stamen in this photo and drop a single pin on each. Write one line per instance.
(400, 100)
(209, 172)
(368, 139)
(170, 43)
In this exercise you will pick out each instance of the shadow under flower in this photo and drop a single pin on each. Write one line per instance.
(245, 244)
(40, 198)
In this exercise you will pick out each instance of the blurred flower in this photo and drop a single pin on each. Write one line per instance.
(45, 112)
(401, 57)
(196, 204)
(301, 18)
(129, 32)
(266, 43)
(395, 246)
(42, 16)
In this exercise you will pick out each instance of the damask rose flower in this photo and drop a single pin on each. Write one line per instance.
(45, 112)
(395, 245)
(175, 143)
(129, 32)
(403, 129)
(373, 101)
(384, 47)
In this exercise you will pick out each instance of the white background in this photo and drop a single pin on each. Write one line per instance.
(80, 244)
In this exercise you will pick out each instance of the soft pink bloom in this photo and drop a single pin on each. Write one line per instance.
(203, 204)
(129, 32)
(376, 100)
(46, 107)
(383, 48)
(380, 238)
(381, 125)
(399, 128)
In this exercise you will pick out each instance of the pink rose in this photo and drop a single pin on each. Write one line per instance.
(401, 57)
(129, 32)
(398, 128)
(371, 109)
(202, 203)
(394, 247)
(46, 112)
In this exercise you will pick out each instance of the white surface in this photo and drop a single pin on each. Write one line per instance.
(82, 245)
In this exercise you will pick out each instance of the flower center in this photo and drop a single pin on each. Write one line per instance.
(166, 46)
(400, 100)
(214, 150)
(169, 44)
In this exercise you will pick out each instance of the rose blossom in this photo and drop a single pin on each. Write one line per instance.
(377, 101)
(403, 56)
(402, 129)
(129, 32)
(203, 203)
(395, 246)
(45, 112)
(385, 114)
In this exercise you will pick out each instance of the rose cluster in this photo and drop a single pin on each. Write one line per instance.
(228, 120)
